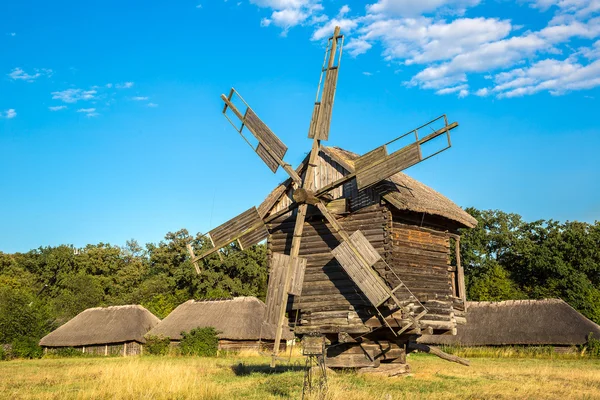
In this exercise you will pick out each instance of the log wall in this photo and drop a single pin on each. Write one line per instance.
(330, 302)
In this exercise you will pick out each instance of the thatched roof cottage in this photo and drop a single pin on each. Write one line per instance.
(104, 331)
(520, 322)
(239, 321)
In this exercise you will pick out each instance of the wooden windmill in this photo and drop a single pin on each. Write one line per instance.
(331, 236)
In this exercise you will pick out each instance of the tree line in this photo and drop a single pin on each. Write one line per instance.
(504, 258)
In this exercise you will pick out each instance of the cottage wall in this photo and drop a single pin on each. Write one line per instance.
(111, 349)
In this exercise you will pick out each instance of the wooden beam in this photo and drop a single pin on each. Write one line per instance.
(438, 352)
(460, 271)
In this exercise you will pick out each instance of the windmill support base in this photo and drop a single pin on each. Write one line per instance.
(369, 356)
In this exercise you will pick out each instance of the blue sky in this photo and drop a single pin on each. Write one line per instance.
(110, 123)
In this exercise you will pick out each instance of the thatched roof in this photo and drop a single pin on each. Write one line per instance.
(520, 322)
(103, 325)
(401, 191)
(409, 194)
(240, 318)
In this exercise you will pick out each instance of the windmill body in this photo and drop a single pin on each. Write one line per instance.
(358, 251)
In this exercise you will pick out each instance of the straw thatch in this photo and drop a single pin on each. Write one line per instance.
(406, 193)
(520, 322)
(401, 191)
(240, 318)
(103, 325)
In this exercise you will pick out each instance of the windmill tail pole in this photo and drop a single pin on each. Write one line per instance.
(438, 352)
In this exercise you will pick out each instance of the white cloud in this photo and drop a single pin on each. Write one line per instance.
(346, 25)
(9, 114)
(403, 8)
(357, 47)
(199, 6)
(289, 13)
(443, 50)
(139, 98)
(423, 40)
(13, 34)
(555, 76)
(367, 73)
(57, 108)
(455, 89)
(344, 10)
(126, 85)
(152, 105)
(74, 95)
(109, 85)
(18, 74)
(89, 112)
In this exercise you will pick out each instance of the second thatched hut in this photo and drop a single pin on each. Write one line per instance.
(549, 322)
(239, 322)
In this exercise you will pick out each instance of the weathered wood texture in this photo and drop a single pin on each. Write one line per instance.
(266, 139)
(382, 168)
(358, 266)
(248, 221)
(326, 172)
(326, 106)
(330, 301)
(329, 296)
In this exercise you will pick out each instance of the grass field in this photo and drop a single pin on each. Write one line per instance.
(224, 378)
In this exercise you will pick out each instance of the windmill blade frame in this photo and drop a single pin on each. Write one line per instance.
(270, 148)
(247, 229)
(377, 165)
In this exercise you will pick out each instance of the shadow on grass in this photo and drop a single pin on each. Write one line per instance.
(243, 369)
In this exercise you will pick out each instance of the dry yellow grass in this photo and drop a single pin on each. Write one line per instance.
(248, 377)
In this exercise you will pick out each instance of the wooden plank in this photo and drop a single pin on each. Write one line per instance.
(367, 251)
(297, 281)
(254, 237)
(391, 165)
(338, 206)
(275, 287)
(373, 157)
(267, 157)
(227, 232)
(264, 135)
(313, 121)
(351, 360)
(356, 268)
(326, 106)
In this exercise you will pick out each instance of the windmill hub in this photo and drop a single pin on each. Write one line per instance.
(302, 196)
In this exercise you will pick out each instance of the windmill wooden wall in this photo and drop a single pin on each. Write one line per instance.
(330, 302)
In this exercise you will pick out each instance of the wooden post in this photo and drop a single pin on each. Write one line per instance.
(125, 349)
(461, 273)
(105, 349)
(295, 250)
(83, 351)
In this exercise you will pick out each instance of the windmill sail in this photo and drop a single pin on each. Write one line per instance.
(247, 228)
(270, 148)
(377, 165)
(321, 118)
